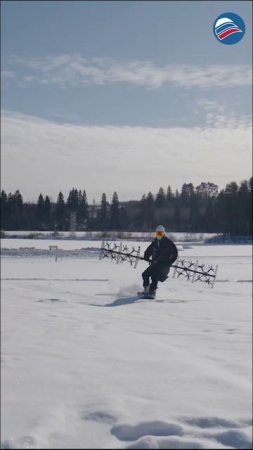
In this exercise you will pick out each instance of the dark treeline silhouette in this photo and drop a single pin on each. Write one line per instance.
(200, 209)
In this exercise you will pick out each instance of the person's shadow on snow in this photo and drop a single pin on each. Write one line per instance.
(124, 301)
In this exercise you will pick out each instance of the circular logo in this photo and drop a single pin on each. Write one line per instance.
(229, 28)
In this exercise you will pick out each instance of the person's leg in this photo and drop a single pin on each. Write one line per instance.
(154, 282)
(155, 277)
(146, 275)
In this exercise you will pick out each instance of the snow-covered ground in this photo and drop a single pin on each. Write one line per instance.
(85, 364)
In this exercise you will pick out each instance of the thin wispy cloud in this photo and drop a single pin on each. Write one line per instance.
(43, 156)
(6, 74)
(218, 114)
(75, 70)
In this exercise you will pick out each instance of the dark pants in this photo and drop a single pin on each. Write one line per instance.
(157, 272)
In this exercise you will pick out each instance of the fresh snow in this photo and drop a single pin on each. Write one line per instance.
(86, 364)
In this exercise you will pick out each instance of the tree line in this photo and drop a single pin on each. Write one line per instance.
(193, 209)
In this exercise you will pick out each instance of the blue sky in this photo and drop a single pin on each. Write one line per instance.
(125, 70)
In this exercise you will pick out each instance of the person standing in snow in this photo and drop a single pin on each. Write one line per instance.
(161, 253)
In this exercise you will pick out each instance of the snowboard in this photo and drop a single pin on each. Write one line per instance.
(145, 296)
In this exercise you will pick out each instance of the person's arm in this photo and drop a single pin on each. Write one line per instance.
(148, 252)
(174, 253)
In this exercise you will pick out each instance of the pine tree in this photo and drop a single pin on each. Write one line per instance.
(160, 198)
(103, 214)
(177, 211)
(40, 212)
(149, 212)
(244, 208)
(60, 212)
(18, 200)
(115, 214)
(82, 209)
(228, 208)
(72, 201)
(12, 210)
(4, 210)
(47, 212)
(169, 195)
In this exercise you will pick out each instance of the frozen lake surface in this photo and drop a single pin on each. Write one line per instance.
(85, 364)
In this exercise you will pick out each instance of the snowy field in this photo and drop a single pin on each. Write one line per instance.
(85, 364)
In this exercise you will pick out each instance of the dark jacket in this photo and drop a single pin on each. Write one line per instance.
(163, 251)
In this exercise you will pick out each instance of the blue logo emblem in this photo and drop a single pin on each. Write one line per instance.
(229, 28)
